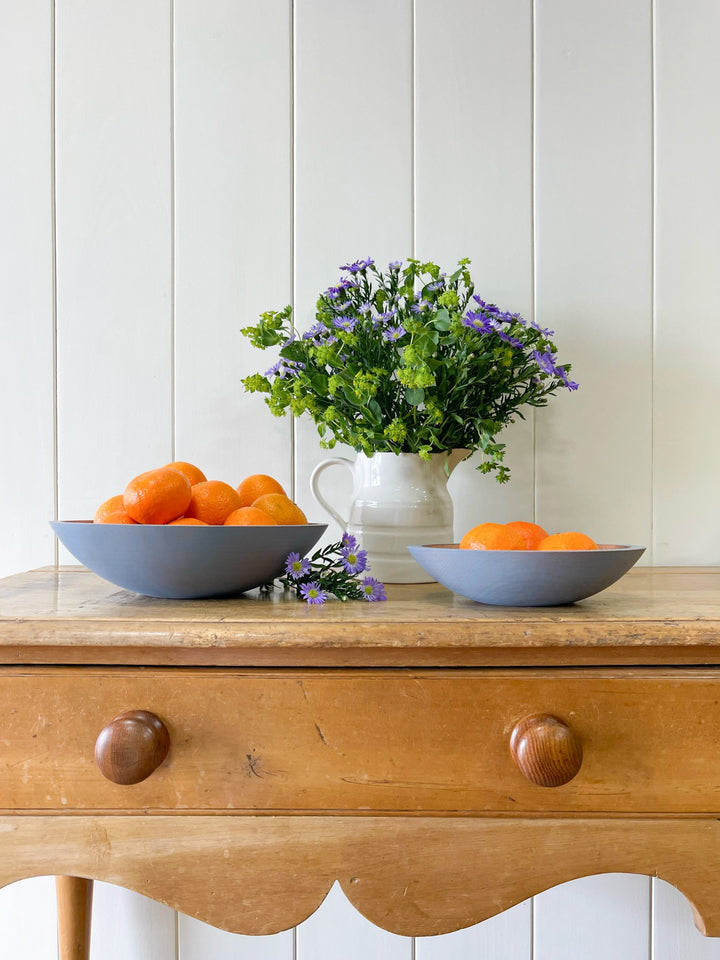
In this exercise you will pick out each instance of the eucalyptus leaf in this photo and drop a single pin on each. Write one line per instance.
(442, 319)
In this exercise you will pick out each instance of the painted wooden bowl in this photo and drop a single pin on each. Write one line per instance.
(526, 578)
(185, 562)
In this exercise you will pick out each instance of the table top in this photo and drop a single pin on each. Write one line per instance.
(68, 615)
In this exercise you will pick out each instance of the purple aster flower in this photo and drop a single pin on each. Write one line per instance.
(388, 315)
(365, 308)
(316, 330)
(332, 293)
(570, 384)
(391, 334)
(348, 541)
(437, 285)
(274, 369)
(312, 593)
(297, 566)
(543, 330)
(516, 318)
(419, 306)
(395, 265)
(291, 367)
(546, 362)
(477, 321)
(354, 561)
(513, 341)
(284, 368)
(373, 590)
(344, 323)
(358, 265)
(490, 308)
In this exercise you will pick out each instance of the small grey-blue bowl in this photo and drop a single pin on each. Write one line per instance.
(526, 578)
(185, 562)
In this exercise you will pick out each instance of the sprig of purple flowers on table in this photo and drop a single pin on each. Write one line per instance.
(332, 571)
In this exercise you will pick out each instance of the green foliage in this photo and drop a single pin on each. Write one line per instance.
(409, 360)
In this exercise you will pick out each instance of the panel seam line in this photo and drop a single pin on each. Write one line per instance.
(173, 358)
(54, 272)
(293, 228)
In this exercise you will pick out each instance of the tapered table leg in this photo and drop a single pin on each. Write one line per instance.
(74, 904)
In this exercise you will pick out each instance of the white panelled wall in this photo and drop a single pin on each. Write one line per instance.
(170, 168)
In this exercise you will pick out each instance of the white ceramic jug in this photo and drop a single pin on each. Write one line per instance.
(397, 500)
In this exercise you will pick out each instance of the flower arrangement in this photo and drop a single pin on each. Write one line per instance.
(333, 570)
(409, 360)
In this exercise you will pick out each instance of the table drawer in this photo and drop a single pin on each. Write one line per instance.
(363, 741)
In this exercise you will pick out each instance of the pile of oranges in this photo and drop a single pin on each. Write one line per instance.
(180, 493)
(522, 535)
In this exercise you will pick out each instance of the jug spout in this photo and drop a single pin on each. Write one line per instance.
(454, 457)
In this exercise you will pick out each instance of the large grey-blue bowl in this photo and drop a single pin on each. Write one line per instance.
(185, 562)
(526, 578)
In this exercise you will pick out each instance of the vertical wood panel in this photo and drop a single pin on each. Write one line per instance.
(113, 153)
(594, 918)
(233, 225)
(126, 926)
(336, 929)
(26, 285)
(353, 149)
(473, 156)
(687, 282)
(675, 936)
(593, 242)
(113, 246)
(507, 936)
(198, 941)
(28, 919)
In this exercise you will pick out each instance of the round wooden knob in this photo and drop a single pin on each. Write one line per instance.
(129, 748)
(547, 751)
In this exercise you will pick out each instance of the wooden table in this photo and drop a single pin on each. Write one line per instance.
(442, 759)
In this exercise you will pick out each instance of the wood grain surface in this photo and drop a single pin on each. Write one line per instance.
(651, 616)
(413, 876)
(74, 909)
(547, 750)
(383, 742)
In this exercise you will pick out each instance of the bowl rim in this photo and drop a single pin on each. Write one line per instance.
(189, 526)
(601, 548)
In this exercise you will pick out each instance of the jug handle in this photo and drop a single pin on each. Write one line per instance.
(315, 476)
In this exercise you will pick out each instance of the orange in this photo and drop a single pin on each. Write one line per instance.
(250, 516)
(112, 508)
(187, 522)
(257, 486)
(117, 516)
(492, 536)
(193, 473)
(531, 533)
(281, 508)
(157, 496)
(567, 541)
(212, 501)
